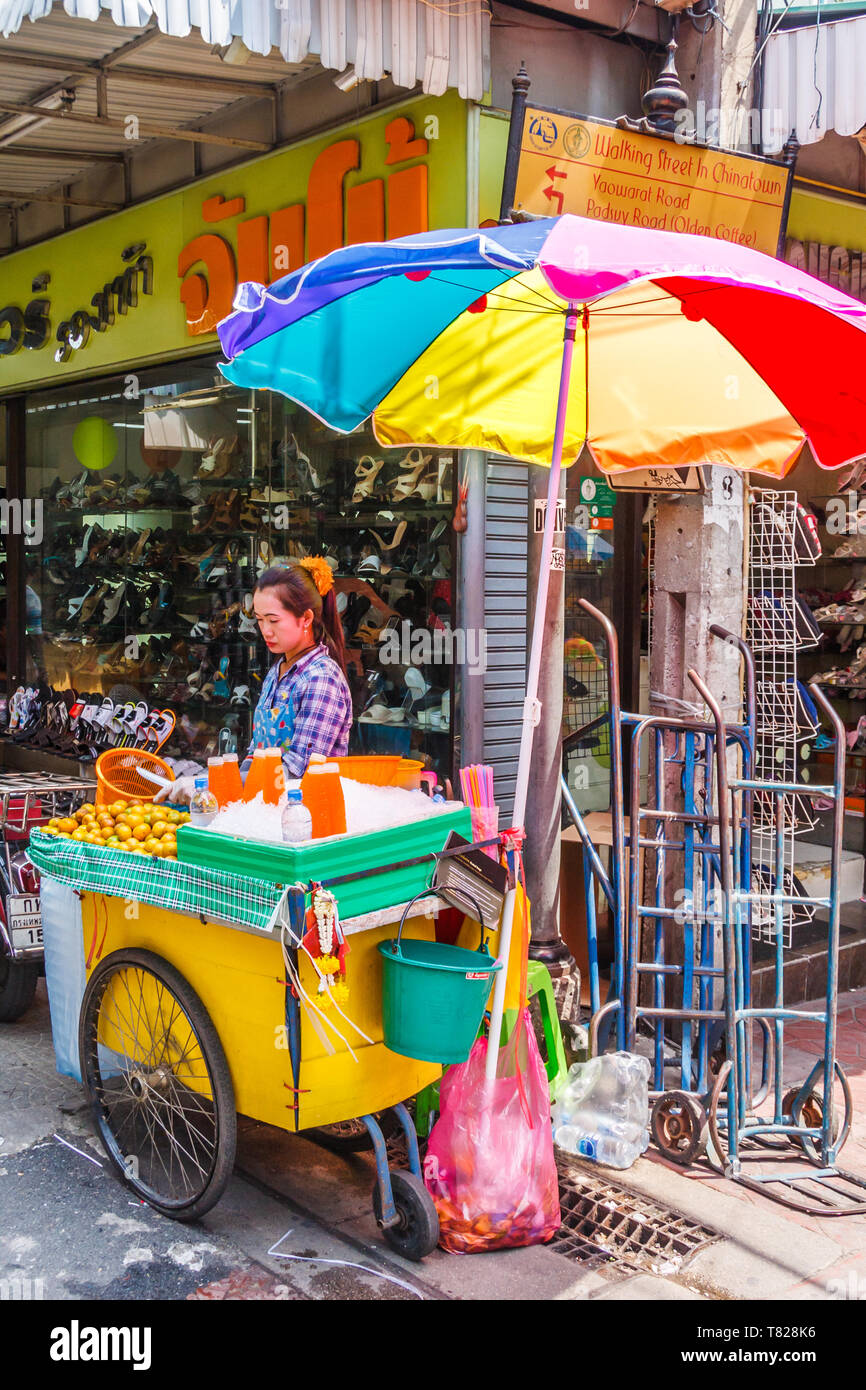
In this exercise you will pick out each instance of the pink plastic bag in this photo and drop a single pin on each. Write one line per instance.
(489, 1165)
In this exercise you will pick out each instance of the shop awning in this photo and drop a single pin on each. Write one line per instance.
(442, 45)
(813, 82)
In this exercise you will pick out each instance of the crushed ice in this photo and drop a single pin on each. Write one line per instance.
(368, 808)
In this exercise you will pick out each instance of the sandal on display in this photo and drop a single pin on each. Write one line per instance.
(222, 689)
(215, 464)
(368, 476)
(395, 539)
(405, 484)
(247, 623)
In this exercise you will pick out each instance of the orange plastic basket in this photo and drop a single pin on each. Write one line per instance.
(117, 775)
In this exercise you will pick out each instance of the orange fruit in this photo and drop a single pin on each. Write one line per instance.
(79, 834)
(50, 830)
(123, 832)
(67, 825)
(159, 828)
(54, 822)
(104, 819)
(151, 845)
(117, 806)
(141, 831)
(95, 840)
(113, 842)
(134, 848)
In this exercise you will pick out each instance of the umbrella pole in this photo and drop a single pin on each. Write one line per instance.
(531, 704)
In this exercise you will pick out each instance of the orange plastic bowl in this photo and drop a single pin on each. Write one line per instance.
(377, 770)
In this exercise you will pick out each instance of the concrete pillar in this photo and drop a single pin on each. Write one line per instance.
(699, 580)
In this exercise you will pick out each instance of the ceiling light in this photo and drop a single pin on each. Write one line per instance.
(347, 80)
(236, 53)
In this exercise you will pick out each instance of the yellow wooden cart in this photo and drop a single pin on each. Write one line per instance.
(185, 1022)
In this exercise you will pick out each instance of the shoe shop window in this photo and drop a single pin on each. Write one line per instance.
(165, 494)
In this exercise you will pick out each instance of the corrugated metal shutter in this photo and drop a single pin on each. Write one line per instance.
(507, 498)
(813, 82)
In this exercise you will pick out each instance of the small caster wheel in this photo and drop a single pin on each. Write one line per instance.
(417, 1232)
(679, 1127)
(810, 1115)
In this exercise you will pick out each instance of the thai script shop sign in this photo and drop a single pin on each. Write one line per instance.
(571, 164)
(156, 279)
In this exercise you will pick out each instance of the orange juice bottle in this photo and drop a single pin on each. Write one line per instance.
(322, 794)
(255, 782)
(232, 778)
(215, 779)
(274, 776)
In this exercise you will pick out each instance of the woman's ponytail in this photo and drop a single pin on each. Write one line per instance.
(332, 630)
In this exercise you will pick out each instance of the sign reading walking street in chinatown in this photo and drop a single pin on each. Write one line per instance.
(572, 164)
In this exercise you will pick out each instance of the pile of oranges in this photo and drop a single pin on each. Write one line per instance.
(135, 826)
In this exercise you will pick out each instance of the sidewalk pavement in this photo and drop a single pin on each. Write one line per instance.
(291, 1197)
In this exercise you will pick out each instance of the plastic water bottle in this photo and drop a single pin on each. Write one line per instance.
(297, 822)
(203, 805)
(601, 1147)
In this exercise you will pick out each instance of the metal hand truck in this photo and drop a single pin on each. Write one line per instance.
(714, 835)
(682, 973)
(803, 1118)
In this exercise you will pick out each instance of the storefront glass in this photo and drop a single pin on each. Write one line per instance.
(165, 494)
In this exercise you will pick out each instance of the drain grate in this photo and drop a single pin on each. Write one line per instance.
(607, 1224)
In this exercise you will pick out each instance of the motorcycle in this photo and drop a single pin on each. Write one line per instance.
(26, 801)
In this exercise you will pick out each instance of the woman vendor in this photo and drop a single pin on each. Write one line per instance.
(305, 706)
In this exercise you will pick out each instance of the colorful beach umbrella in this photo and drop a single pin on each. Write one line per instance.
(536, 339)
(688, 350)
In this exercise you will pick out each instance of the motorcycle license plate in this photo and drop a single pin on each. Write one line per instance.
(24, 918)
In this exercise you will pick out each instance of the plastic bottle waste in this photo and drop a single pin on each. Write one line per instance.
(600, 1147)
(204, 805)
(296, 821)
(601, 1110)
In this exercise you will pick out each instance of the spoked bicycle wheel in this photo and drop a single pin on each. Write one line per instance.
(159, 1083)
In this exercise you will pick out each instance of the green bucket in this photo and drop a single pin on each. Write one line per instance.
(433, 995)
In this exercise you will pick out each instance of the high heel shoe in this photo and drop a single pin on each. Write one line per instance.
(406, 484)
(368, 477)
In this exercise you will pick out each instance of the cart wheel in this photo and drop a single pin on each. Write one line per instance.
(159, 1084)
(679, 1126)
(418, 1230)
(810, 1116)
(353, 1136)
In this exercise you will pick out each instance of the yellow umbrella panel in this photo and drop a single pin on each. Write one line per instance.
(663, 390)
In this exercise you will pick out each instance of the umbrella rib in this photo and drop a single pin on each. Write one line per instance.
(554, 304)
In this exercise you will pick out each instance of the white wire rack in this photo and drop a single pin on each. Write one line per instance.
(778, 625)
